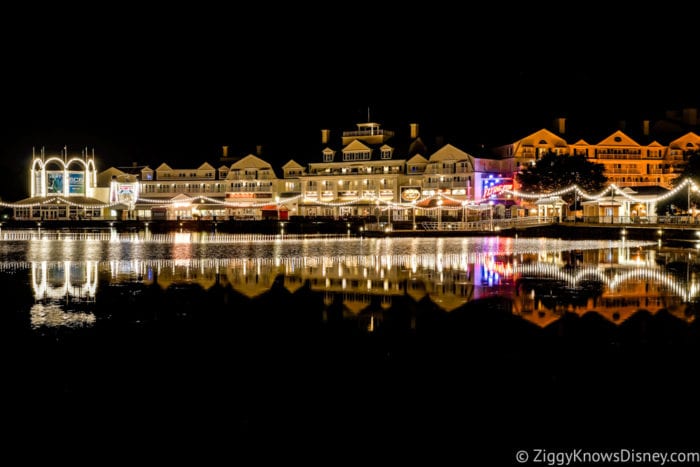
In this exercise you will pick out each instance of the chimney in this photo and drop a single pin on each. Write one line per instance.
(414, 130)
(325, 136)
(258, 149)
(690, 116)
(645, 127)
(560, 125)
(224, 151)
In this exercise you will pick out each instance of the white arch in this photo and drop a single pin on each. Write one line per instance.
(38, 182)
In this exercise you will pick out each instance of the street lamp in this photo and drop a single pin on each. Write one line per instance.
(612, 205)
(691, 187)
(377, 211)
(464, 214)
(414, 213)
(277, 206)
(439, 203)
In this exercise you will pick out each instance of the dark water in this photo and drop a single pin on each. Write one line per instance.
(449, 348)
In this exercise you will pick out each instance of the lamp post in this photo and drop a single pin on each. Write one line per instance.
(464, 214)
(491, 215)
(439, 203)
(377, 211)
(612, 205)
(414, 213)
(277, 206)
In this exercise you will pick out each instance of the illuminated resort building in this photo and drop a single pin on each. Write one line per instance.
(627, 162)
(368, 172)
(63, 186)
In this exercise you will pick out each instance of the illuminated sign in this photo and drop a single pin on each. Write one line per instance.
(55, 182)
(76, 183)
(496, 187)
(126, 193)
(410, 193)
(238, 195)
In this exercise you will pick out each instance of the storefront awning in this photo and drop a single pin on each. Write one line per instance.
(274, 207)
(433, 203)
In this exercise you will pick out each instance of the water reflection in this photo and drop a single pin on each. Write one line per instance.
(539, 282)
(328, 338)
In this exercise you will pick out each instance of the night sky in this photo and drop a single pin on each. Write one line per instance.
(175, 86)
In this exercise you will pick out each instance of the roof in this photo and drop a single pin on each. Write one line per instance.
(449, 152)
(433, 203)
(251, 162)
(56, 199)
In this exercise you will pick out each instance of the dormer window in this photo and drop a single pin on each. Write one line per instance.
(357, 156)
(386, 153)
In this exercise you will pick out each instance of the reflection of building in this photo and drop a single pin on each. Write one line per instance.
(615, 284)
(64, 281)
(61, 291)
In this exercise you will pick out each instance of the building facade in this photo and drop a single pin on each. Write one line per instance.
(367, 172)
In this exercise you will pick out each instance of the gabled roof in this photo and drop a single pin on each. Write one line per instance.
(292, 164)
(449, 152)
(542, 136)
(251, 162)
(417, 159)
(164, 166)
(181, 197)
(356, 145)
(688, 140)
(111, 171)
(205, 166)
(581, 142)
(619, 138)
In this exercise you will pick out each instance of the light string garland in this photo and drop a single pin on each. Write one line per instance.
(611, 190)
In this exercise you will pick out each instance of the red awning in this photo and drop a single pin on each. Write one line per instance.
(433, 203)
(273, 207)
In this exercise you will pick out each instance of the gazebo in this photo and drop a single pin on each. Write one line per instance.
(550, 207)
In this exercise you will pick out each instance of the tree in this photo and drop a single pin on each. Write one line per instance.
(553, 173)
(680, 199)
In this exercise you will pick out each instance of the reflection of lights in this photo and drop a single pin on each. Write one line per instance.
(454, 276)
(656, 275)
(64, 279)
(54, 315)
(183, 237)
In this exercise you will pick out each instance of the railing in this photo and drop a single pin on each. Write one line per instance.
(482, 225)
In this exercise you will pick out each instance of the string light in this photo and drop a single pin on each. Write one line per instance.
(610, 190)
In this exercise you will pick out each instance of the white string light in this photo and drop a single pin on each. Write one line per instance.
(610, 190)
